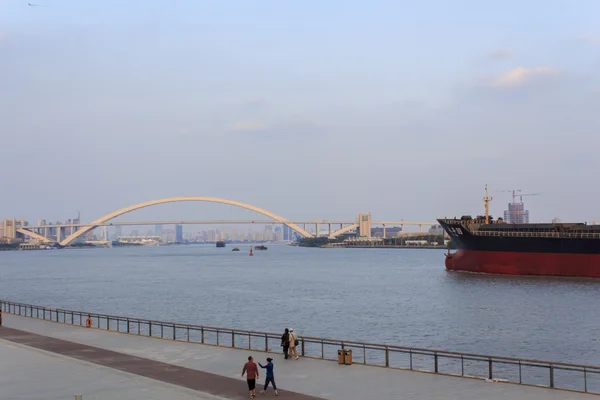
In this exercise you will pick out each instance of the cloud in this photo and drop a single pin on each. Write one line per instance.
(520, 76)
(500, 54)
(591, 40)
(249, 126)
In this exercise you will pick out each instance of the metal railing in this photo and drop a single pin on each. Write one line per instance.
(567, 235)
(574, 377)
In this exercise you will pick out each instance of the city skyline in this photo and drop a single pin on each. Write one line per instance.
(311, 110)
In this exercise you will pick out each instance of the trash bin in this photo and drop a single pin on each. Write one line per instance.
(348, 357)
(340, 357)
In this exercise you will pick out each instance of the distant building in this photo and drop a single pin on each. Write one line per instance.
(392, 231)
(10, 226)
(436, 230)
(287, 233)
(556, 220)
(178, 233)
(516, 214)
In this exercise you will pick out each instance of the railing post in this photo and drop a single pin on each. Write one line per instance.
(188, 333)
(250, 342)
(161, 330)
(387, 356)
(150, 328)
(127, 325)
(266, 342)
(217, 337)
(202, 331)
(302, 347)
(551, 375)
(322, 349)
(435, 361)
(107, 323)
(174, 334)
(232, 338)
(462, 365)
(584, 379)
(489, 368)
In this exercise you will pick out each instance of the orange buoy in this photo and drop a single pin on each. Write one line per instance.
(88, 322)
(250, 252)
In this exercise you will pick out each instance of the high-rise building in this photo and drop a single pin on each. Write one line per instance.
(516, 213)
(179, 233)
(158, 230)
(287, 233)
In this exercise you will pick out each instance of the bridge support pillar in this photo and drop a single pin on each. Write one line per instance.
(317, 230)
(384, 232)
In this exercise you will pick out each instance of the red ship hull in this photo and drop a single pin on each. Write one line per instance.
(524, 263)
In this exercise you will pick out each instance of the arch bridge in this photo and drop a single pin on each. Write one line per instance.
(105, 220)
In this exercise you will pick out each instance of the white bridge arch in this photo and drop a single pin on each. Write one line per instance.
(74, 236)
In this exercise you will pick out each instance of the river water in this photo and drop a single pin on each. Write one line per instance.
(393, 296)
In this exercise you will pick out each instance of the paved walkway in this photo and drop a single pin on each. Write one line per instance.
(318, 378)
(31, 374)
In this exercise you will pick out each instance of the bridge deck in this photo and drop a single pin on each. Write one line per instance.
(192, 366)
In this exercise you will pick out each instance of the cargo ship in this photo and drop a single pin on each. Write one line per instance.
(491, 246)
(220, 243)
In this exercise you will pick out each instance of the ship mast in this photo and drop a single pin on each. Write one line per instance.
(486, 201)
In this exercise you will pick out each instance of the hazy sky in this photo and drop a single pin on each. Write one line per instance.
(310, 109)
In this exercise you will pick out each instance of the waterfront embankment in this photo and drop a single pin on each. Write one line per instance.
(490, 368)
(306, 377)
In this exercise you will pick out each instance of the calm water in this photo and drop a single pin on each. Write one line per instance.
(400, 297)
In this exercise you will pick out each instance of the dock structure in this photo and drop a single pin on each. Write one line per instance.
(48, 360)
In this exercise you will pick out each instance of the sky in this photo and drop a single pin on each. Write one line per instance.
(311, 110)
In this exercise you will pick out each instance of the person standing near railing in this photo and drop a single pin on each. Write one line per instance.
(293, 344)
(270, 376)
(251, 371)
(285, 342)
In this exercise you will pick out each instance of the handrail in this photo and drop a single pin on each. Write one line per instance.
(392, 356)
(568, 235)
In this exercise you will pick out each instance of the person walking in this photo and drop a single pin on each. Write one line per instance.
(251, 371)
(293, 344)
(285, 342)
(270, 376)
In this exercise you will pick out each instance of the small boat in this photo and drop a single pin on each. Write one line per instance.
(261, 247)
(235, 249)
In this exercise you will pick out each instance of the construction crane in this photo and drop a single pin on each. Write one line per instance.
(514, 193)
(528, 194)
